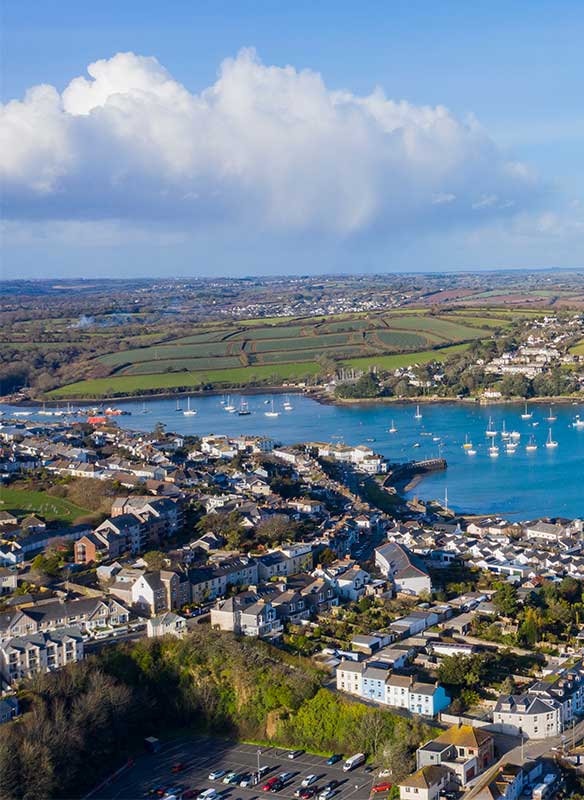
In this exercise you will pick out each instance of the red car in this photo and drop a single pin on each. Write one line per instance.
(382, 787)
(268, 785)
(178, 767)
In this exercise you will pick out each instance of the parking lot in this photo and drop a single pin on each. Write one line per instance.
(202, 755)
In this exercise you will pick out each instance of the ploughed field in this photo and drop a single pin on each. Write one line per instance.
(238, 354)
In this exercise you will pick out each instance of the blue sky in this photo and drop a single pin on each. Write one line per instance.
(495, 183)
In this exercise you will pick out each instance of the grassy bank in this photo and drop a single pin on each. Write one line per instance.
(52, 509)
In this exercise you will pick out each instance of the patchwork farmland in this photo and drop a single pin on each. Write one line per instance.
(294, 349)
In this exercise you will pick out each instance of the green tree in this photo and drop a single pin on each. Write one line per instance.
(505, 600)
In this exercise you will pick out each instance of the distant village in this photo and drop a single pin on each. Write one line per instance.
(261, 540)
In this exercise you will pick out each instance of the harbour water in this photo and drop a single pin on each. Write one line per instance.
(547, 481)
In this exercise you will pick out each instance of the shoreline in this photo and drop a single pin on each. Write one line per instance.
(314, 394)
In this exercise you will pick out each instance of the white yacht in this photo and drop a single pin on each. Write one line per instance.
(189, 412)
(229, 407)
(526, 414)
(531, 446)
(417, 415)
(551, 416)
(490, 430)
(272, 413)
(551, 443)
(393, 429)
(287, 405)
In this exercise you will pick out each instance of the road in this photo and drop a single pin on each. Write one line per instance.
(202, 755)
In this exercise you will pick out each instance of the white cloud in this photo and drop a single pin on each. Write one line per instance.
(265, 148)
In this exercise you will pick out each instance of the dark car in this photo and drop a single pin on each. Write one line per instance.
(334, 759)
(331, 784)
(307, 793)
(277, 786)
(178, 767)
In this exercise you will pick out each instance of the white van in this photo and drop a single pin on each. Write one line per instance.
(208, 794)
(354, 761)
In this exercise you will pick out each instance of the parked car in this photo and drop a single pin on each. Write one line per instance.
(188, 794)
(326, 793)
(269, 783)
(234, 778)
(217, 774)
(208, 794)
(228, 776)
(334, 759)
(331, 784)
(381, 787)
(285, 776)
(309, 780)
(262, 770)
(307, 793)
(247, 780)
(295, 753)
(174, 790)
(277, 787)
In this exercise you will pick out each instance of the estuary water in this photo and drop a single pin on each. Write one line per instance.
(521, 485)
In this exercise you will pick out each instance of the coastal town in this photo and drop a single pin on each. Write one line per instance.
(471, 624)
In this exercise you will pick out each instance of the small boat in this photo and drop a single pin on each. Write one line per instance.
(243, 409)
(222, 401)
(515, 435)
(393, 429)
(534, 424)
(551, 416)
(436, 438)
(189, 412)
(43, 411)
(467, 444)
(504, 434)
(229, 407)
(493, 451)
(511, 447)
(578, 423)
(417, 415)
(551, 443)
(144, 409)
(22, 413)
(371, 439)
(287, 405)
(272, 413)
(266, 402)
(177, 407)
(531, 446)
(471, 451)
(526, 414)
(490, 430)
(416, 444)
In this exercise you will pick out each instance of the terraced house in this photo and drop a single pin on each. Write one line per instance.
(374, 680)
(22, 657)
(88, 613)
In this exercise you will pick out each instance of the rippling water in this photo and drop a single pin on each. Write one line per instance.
(546, 482)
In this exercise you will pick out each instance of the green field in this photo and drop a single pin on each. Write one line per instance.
(52, 509)
(241, 354)
(406, 359)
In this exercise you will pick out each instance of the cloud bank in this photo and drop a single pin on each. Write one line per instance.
(264, 149)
